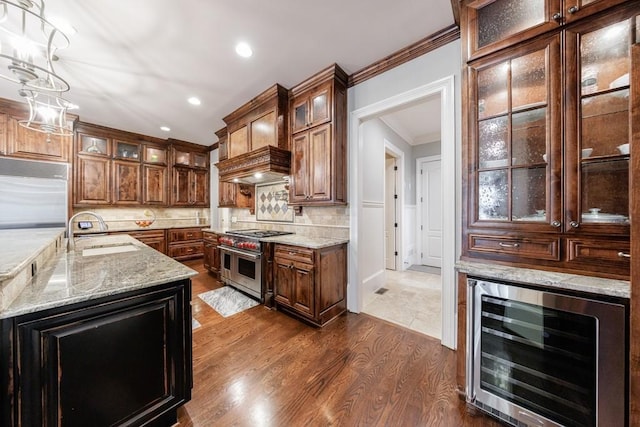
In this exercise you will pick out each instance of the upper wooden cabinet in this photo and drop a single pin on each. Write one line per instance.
(222, 144)
(20, 142)
(490, 25)
(312, 109)
(548, 148)
(259, 123)
(190, 157)
(190, 175)
(119, 168)
(318, 139)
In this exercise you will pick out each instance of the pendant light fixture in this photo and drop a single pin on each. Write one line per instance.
(28, 44)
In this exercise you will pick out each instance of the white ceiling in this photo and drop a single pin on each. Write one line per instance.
(417, 124)
(133, 64)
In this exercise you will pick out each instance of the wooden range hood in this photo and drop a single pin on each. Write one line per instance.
(272, 162)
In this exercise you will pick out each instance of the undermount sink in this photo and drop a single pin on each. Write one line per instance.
(106, 250)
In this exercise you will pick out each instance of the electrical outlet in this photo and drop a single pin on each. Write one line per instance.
(234, 219)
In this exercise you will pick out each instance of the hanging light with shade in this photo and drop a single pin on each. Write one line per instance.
(28, 45)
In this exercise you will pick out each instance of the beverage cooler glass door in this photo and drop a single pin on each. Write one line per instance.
(546, 359)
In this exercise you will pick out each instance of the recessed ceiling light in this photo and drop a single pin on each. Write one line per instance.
(165, 128)
(244, 50)
(194, 101)
(236, 180)
(257, 175)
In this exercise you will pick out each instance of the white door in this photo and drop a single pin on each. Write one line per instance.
(431, 208)
(390, 213)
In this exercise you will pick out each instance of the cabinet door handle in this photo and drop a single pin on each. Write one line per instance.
(556, 224)
(291, 267)
(574, 224)
(557, 17)
(293, 253)
(573, 9)
(623, 255)
(509, 245)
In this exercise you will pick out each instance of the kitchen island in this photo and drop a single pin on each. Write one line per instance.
(99, 336)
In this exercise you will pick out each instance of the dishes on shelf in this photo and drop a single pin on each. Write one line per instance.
(594, 215)
(623, 80)
(494, 163)
(623, 148)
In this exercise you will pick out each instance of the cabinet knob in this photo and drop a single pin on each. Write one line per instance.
(574, 224)
(291, 266)
(623, 255)
(557, 17)
(573, 9)
(556, 224)
(509, 245)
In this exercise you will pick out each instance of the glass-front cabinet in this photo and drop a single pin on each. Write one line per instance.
(495, 24)
(517, 129)
(597, 126)
(549, 147)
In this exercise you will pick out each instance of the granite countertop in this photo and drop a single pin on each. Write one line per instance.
(290, 239)
(21, 246)
(550, 279)
(70, 277)
(306, 241)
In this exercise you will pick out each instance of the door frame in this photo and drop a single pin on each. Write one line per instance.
(419, 212)
(398, 154)
(355, 294)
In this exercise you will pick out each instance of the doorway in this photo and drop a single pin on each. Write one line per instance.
(360, 206)
(390, 212)
(429, 205)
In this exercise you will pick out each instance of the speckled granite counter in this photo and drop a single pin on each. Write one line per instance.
(574, 282)
(306, 241)
(290, 239)
(71, 277)
(20, 247)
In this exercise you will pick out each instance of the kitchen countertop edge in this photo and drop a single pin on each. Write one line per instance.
(550, 279)
(70, 278)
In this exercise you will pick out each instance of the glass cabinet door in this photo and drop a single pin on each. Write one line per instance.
(518, 147)
(598, 139)
(496, 24)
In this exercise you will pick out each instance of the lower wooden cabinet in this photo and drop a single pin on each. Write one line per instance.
(123, 359)
(211, 258)
(311, 283)
(153, 238)
(185, 243)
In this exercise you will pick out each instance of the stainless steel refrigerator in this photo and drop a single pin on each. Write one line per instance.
(33, 194)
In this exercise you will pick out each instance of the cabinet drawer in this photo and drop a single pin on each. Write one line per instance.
(595, 251)
(185, 234)
(210, 237)
(524, 247)
(146, 234)
(294, 253)
(186, 250)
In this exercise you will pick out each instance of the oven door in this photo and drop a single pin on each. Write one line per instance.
(546, 359)
(242, 270)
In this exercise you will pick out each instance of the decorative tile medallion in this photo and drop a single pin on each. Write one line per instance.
(272, 203)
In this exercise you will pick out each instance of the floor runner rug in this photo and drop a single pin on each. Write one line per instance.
(227, 301)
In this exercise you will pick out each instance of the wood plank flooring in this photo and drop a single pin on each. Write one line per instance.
(264, 368)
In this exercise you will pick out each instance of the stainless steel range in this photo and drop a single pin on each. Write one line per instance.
(244, 260)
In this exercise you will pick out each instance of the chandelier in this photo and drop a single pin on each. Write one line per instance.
(28, 44)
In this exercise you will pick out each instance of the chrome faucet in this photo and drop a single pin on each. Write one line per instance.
(71, 245)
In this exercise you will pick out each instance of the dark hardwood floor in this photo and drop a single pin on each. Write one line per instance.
(264, 368)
